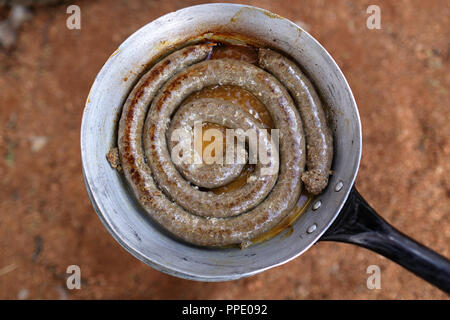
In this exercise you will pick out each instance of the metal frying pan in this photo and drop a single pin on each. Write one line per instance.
(338, 214)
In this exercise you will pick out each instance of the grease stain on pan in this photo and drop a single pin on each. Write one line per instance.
(272, 15)
(269, 14)
(288, 233)
(286, 225)
(347, 124)
(236, 16)
(114, 53)
(88, 99)
(242, 14)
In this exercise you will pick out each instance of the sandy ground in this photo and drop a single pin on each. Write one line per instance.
(400, 78)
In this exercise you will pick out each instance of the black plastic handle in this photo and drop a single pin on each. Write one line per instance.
(359, 224)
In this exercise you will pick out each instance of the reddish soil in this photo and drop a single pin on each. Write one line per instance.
(400, 76)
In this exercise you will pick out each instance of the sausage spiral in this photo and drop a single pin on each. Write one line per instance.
(179, 196)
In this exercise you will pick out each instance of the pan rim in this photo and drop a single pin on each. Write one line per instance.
(198, 276)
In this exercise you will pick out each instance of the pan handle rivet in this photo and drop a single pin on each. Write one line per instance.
(339, 186)
(312, 228)
(316, 205)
